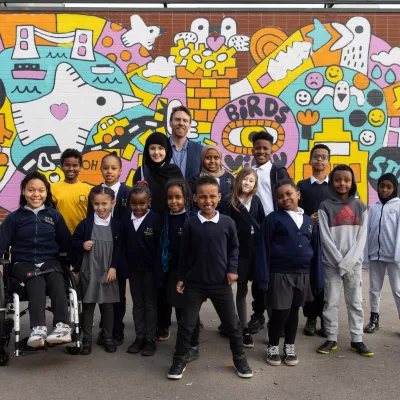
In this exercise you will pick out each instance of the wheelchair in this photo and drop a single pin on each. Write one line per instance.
(12, 293)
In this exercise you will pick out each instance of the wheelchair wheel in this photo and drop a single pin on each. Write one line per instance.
(4, 357)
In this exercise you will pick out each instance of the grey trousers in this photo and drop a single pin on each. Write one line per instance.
(377, 271)
(352, 285)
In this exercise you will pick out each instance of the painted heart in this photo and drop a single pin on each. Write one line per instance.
(233, 164)
(215, 43)
(59, 111)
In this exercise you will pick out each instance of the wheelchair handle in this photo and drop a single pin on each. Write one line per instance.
(38, 272)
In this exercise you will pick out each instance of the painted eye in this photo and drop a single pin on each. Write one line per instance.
(101, 101)
(201, 27)
(228, 28)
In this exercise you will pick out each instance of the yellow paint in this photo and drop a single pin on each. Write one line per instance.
(3, 170)
(376, 117)
(210, 142)
(204, 127)
(129, 178)
(143, 137)
(208, 104)
(208, 83)
(7, 127)
(332, 132)
(190, 92)
(129, 152)
(334, 74)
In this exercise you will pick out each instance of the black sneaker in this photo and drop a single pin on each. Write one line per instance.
(86, 348)
(100, 338)
(136, 346)
(255, 324)
(192, 355)
(362, 349)
(119, 338)
(373, 324)
(149, 348)
(163, 335)
(310, 328)
(177, 368)
(109, 346)
(247, 339)
(327, 347)
(273, 357)
(289, 355)
(242, 367)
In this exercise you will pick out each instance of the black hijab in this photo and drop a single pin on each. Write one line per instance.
(158, 174)
(391, 178)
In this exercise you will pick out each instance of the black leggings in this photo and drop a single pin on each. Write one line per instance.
(283, 319)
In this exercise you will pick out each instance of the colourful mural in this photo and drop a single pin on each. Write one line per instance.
(88, 83)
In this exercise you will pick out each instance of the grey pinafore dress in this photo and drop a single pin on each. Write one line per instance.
(95, 265)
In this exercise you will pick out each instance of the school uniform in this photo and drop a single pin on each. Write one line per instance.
(121, 206)
(93, 268)
(141, 247)
(37, 237)
(209, 251)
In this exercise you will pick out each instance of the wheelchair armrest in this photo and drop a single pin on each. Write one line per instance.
(4, 261)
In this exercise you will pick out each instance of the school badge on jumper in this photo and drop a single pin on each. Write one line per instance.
(149, 232)
(49, 220)
(82, 199)
(124, 202)
(310, 229)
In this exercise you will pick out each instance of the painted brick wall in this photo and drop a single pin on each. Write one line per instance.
(101, 81)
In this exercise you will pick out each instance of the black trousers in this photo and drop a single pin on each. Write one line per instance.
(107, 318)
(194, 341)
(280, 320)
(164, 310)
(313, 309)
(36, 288)
(224, 305)
(120, 308)
(144, 299)
(258, 303)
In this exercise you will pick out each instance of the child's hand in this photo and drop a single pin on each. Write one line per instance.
(232, 278)
(88, 245)
(77, 276)
(179, 287)
(315, 218)
(111, 275)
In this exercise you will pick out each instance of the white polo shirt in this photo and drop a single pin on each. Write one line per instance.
(264, 190)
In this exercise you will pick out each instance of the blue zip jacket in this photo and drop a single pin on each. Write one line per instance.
(35, 238)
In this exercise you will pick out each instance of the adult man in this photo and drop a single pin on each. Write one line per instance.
(186, 153)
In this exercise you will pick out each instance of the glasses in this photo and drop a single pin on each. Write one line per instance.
(320, 157)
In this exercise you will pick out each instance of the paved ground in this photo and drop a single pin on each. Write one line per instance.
(342, 375)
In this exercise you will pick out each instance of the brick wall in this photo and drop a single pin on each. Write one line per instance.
(230, 89)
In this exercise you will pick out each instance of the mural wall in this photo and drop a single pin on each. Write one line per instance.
(80, 81)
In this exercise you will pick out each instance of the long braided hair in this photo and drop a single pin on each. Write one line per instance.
(188, 203)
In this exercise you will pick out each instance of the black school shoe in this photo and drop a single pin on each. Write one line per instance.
(273, 358)
(177, 368)
(310, 328)
(289, 355)
(362, 349)
(163, 335)
(192, 355)
(86, 348)
(100, 339)
(119, 338)
(327, 347)
(255, 324)
(247, 339)
(136, 346)
(149, 348)
(242, 367)
(109, 346)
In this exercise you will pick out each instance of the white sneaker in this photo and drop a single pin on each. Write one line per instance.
(37, 336)
(62, 334)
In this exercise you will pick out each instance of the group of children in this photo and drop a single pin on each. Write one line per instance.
(245, 228)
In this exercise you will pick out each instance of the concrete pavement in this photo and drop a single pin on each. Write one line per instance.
(340, 375)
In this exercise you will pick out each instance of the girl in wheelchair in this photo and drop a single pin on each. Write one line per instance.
(37, 234)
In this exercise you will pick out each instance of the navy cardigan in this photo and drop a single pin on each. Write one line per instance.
(284, 248)
(121, 204)
(83, 233)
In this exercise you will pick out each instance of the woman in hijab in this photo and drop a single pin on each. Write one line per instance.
(157, 170)
(211, 161)
(383, 246)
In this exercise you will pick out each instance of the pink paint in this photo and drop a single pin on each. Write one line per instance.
(393, 139)
(372, 195)
(215, 43)
(175, 90)
(36, 75)
(24, 34)
(82, 51)
(264, 80)
(395, 122)
(9, 198)
(83, 38)
(59, 111)
(24, 45)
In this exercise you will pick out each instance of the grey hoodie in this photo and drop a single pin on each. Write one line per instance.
(343, 229)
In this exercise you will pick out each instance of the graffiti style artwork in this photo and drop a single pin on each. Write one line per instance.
(92, 84)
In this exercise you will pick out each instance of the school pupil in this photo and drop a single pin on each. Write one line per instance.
(383, 246)
(37, 233)
(287, 269)
(343, 232)
(248, 213)
(70, 195)
(211, 161)
(111, 169)
(207, 269)
(179, 200)
(268, 175)
(140, 235)
(313, 191)
(96, 246)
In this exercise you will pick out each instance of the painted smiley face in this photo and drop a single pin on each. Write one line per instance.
(334, 74)
(376, 117)
(303, 98)
(367, 138)
(314, 80)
